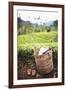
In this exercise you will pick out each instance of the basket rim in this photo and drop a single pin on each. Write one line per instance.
(43, 53)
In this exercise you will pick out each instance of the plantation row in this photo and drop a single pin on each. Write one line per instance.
(41, 39)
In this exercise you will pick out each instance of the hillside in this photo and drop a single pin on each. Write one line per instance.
(38, 39)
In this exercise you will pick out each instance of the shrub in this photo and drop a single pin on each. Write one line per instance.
(25, 53)
(25, 56)
(55, 57)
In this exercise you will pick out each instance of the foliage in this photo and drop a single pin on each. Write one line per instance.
(55, 23)
(55, 56)
(25, 27)
(38, 39)
(25, 57)
(25, 53)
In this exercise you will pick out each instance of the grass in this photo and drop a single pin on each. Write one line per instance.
(40, 39)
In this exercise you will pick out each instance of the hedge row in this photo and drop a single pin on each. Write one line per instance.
(27, 56)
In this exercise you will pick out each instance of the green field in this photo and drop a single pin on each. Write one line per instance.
(39, 39)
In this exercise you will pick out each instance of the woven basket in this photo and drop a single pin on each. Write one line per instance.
(44, 62)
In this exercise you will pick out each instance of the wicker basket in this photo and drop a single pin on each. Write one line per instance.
(44, 62)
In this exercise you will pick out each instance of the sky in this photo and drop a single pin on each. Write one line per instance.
(39, 17)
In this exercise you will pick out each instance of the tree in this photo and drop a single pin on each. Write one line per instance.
(19, 22)
(55, 23)
(29, 28)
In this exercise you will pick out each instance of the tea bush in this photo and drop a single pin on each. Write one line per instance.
(26, 56)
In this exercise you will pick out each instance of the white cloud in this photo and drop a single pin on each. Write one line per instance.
(38, 16)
